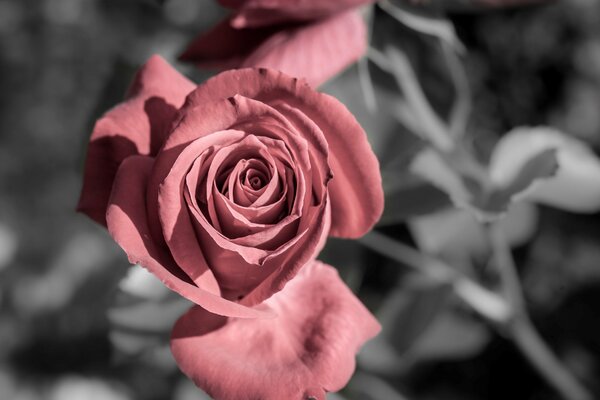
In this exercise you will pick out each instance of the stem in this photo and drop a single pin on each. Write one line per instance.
(462, 104)
(433, 128)
(522, 330)
(431, 24)
(485, 302)
(364, 74)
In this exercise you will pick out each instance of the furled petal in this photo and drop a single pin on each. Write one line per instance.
(128, 225)
(136, 126)
(355, 191)
(238, 268)
(576, 184)
(306, 351)
(315, 51)
(269, 12)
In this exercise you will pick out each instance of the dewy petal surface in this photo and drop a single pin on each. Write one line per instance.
(307, 350)
(128, 225)
(355, 191)
(136, 126)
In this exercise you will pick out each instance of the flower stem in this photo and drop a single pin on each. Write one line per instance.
(482, 300)
(520, 328)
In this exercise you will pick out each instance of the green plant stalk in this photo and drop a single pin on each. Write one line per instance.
(482, 300)
(521, 330)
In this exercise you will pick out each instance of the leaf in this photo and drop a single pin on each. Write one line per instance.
(9, 245)
(407, 196)
(436, 233)
(420, 324)
(430, 165)
(526, 151)
(452, 336)
(540, 166)
(531, 164)
(143, 313)
(405, 315)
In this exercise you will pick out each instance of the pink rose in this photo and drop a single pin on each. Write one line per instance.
(226, 191)
(312, 39)
(226, 196)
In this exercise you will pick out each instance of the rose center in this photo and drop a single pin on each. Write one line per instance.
(256, 182)
(255, 177)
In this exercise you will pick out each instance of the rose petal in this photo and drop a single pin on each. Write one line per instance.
(268, 12)
(177, 229)
(128, 225)
(316, 51)
(286, 264)
(238, 268)
(225, 47)
(307, 350)
(136, 126)
(355, 191)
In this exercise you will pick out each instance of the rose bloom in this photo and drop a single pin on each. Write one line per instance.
(226, 191)
(314, 39)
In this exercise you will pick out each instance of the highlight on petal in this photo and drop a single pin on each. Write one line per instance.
(315, 51)
(136, 126)
(576, 184)
(355, 191)
(128, 225)
(306, 351)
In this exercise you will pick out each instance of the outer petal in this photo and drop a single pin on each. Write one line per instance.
(355, 191)
(269, 12)
(307, 350)
(315, 51)
(128, 225)
(224, 46)
(136, 126)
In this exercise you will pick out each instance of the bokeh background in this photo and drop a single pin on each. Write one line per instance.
(64, 62)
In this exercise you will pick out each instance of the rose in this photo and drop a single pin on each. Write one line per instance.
(227, 196)
(312, 39)
(225, 192)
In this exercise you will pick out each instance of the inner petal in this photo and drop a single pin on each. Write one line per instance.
(255, 179)
(248, 180)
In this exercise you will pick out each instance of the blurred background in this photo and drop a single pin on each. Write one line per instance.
(64, 62)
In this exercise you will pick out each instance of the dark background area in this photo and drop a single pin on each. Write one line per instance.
(64, 62)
